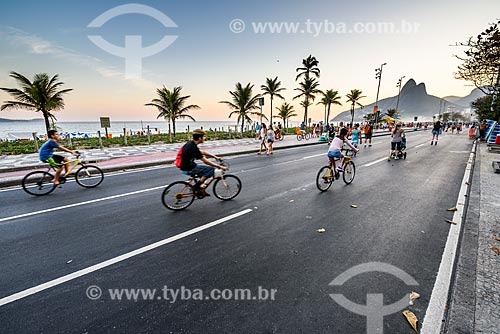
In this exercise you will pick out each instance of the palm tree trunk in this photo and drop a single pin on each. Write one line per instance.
(47, 123)
(169, 131)
(328, 114)
(352, 114)
(173, 126)
(242, 126)
(305, 114)
(271, 119)
(305, 110)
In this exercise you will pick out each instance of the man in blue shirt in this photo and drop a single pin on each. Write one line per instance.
(56, 161)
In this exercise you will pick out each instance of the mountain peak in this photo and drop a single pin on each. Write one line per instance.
(409, 84)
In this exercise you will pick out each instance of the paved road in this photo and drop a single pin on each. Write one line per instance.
(399, 220)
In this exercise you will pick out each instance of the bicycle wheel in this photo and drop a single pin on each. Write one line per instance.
(177, 196)
(325, 178)
(227, 187)
(89, 176)
(38, 183)
(349, 172)
(299, 137)
(307, 136)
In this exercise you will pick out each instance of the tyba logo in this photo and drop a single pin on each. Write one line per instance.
(374, 310)
(133, 52)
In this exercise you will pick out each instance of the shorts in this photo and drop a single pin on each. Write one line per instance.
(435, 132)
(396, 146)
(355, 143)
(55, 161)
(368, 136)
(270, 141)
(202, 170)
(335, 154)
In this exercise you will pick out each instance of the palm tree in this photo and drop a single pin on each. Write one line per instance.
(329, 97)
(40, 95)
(171, 105)
(285, 112)
(272, 88)
(391, 112)
(243, 103)
(308, 90)
(309, 65)
(353, 97)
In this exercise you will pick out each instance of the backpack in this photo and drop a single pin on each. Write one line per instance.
(178, 158)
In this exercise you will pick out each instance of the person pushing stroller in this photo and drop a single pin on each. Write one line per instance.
(398, 143)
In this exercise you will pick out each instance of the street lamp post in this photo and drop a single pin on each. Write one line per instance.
(378, 75)
(399, 93)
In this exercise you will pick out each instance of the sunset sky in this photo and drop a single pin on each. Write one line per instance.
(207, 58)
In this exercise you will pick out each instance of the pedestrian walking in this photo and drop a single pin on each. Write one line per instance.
(482, 130)
(270, 140)
(368, 130)
(262, 138)
(436, 131)
(356, 136)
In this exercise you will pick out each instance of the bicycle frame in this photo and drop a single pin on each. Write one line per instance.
(72, 165)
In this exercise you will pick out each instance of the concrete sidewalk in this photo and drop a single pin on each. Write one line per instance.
(474, 305)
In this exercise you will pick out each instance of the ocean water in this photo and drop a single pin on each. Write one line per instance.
(23, 129)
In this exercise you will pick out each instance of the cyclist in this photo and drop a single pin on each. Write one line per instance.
(336, 146)
(47, 155)
(191, 152)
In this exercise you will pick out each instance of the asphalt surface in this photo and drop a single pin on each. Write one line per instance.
(399, 220)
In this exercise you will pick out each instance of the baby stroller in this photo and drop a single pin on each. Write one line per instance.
(401, 153)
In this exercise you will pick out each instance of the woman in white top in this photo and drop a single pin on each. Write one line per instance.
(262, 137)
(336, 146)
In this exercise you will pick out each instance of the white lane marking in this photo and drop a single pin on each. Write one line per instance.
(424, 145)
(435, 311)
(82, 272)
(79, 204)
(314, 156)
(374, 162)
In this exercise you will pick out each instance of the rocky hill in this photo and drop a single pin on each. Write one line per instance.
(414, 101)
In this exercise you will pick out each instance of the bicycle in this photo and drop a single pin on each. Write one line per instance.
(181, 194)
(303, 135)
(328, 174)
(40, 183)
